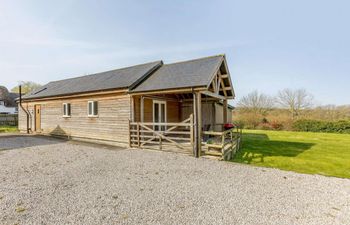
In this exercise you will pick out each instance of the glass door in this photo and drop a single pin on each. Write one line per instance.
(159, 114)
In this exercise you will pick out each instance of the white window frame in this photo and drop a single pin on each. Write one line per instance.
(165, 113)
(93, 109)
(65, 114)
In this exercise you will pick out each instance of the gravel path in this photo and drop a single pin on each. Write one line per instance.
(46, 181)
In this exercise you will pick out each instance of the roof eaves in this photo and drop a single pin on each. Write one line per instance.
(74, 93)
(168, 89)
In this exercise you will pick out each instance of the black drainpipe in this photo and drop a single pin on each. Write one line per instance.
(20, 104)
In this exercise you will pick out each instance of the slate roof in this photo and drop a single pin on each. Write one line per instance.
(193, 73)
(140, 78)
(114, 79)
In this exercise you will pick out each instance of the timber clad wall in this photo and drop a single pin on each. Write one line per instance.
(212, 113)
(110, 125)
(173, 110)
(219, 114)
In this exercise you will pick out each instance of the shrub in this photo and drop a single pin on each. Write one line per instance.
(264, 126)
(276, 125)
(249, 120)
(322, 126)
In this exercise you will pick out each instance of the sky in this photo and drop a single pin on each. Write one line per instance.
(270, 45)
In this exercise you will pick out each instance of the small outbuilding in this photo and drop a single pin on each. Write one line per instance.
(177, 106)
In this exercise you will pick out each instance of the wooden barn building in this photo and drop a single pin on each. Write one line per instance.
(179, 106)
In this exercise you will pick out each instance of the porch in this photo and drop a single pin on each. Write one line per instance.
(179, 137)
(186, 120)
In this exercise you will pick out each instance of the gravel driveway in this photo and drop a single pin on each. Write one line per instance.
(47, 181)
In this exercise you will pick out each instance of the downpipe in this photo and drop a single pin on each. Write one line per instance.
(24, 110)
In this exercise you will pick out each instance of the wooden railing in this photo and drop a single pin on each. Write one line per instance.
(224, 144)
(165, 137)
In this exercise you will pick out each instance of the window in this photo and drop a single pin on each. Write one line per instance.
(92, 108)
(66, 109)
(159, 114)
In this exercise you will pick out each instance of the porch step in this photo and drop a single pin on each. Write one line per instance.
(213, 153)
(211, 157)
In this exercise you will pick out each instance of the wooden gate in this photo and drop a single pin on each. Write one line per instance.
(176, 137)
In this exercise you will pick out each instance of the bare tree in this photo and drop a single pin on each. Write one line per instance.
(294, 100)
(256, 102)
(27, 86)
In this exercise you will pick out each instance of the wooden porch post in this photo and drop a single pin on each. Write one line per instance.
(225, 111)
(132, 108)
(199, 118)
(195, 128)
(142, 108)
(140, 130)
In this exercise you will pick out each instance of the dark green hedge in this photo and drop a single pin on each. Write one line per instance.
(322, 126)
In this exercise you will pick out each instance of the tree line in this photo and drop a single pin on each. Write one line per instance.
(282, 111)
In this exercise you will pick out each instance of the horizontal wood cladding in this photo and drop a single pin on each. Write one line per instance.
(111, 124)
(173, 110)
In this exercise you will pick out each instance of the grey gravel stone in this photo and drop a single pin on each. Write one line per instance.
(47, 181)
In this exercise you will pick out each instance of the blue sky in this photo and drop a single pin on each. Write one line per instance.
(270, 44)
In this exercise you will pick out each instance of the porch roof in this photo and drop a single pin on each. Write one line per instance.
(192, 73)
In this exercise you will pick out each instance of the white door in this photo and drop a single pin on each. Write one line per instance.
(159, 114)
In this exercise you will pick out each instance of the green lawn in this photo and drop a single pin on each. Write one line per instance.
(8, 129)
(314, 153)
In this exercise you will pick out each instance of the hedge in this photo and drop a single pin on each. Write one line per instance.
(322, 126)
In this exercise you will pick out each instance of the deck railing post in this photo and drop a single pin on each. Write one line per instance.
(138, 134)
(160, 143)
(223, 144)
(191, 129)
(129, 133)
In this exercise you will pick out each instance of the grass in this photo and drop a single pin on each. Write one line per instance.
(6, 129)
(304, 152)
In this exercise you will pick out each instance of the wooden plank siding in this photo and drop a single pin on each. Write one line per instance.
(212, 113)
(111, 124)
(207, 109)
(173, 110)
(219, 116)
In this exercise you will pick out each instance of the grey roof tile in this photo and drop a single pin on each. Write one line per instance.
(114, 79)
(140, 78)
(193, 73)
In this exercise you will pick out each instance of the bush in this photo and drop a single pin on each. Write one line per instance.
(264, 126)
(249, 120)
(276, 125)
(322, 126)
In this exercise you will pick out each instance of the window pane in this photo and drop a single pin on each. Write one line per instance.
(156, 112)
(162, 111)
(156, 115)
(90, 108)
(64, 109)
(68, 109)
(95, 108)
